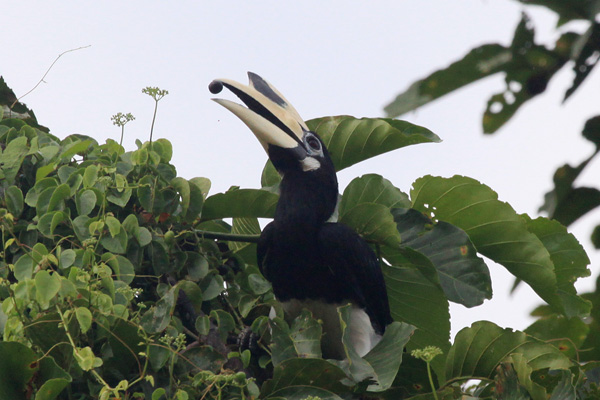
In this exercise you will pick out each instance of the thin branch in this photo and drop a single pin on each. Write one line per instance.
(47, 71)
(228, 236)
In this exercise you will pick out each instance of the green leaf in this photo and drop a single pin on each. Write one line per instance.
(566, 334)
(303, 392)
(573, 10)
(386, 356)
(46, 287)
(372, 188)
(314, 372)
(78, 146)
(477, 64)
(54, 379)
(566, 203)
(251, 203)
(587, 47)
(203, 184)
(80, 227)
(417, 298)
(14, 200)
(146, 193)
(212, 286)
(119, 198)
(86, 359)
(57, 218)
(258, 284)
(115, 244)
(44, 171)
(202, 325)
(570, 262)
(84, 318)
(527, 66)
(244, 226)
(17, 367)
(85, 201)
(121, 266)
(591, 130)
(478, 350)
(60, 194)
(24, 268)
(462, 273)
(32, 196)
(183, 188)
(351, 140)
(166, 150)
(373, 222)
(158, 257)
(301, 339)
(114, 226)
(12, 158)
(514, 378)
(157, 318)
(67, 258)
(197, 265)
(90, 176)
(494, 228)
(197, 195)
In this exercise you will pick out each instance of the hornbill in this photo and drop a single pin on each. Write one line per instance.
(312, 263)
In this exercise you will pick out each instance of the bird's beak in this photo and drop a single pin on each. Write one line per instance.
(269, 115)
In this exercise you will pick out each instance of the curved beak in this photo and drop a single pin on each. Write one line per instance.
(269, 115)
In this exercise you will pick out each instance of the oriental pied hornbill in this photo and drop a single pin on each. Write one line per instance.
(311, 263)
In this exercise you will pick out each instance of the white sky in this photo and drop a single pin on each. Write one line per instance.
(327, 58)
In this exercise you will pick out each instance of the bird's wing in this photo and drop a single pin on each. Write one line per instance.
(263, 248)
(352, 260)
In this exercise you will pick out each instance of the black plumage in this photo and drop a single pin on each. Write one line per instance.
(310, 262)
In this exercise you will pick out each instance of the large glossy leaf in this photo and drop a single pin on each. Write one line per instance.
(351, 140)
(54, 379)
(416, 298)
(570, 262)
(16, 369)
(374, 222)
(462, 273)
(566, 334)
(477, 64)
(528, 68)
(245, 203)
(386, 356)
(314, 372)
(478, 350)
(373, 188)
(495, 229)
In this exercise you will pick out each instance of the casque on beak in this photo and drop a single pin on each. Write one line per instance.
(269, 115)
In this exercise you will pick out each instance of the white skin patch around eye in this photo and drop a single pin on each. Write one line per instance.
(310, 164)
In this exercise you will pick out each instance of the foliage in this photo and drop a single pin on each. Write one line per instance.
(121, 280)
(528, 67)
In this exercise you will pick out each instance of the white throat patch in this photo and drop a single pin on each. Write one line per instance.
(310, 164)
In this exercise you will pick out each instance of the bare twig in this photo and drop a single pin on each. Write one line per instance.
(46, 73)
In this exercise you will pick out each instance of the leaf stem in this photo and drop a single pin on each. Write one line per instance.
(431, 382)
(153, 119)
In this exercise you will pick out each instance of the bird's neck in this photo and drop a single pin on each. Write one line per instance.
(306, 201)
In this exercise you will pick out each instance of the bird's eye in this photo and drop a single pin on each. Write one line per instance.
(313, 143)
